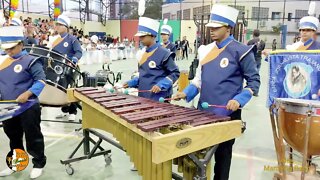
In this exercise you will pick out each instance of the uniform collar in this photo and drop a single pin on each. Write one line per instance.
(225, 42)
(308, 42)
(64, 35)
(3, 53)
(151, 48)
(22, 53)
(166, 43)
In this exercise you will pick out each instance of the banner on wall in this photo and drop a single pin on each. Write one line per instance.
(13, 7)
(57, 8)
(294, 75)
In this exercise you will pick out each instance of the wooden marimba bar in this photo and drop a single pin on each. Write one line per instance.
(153, 133)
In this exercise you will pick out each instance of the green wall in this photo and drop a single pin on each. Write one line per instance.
(175, 24)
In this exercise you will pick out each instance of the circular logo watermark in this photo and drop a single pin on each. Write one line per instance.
(17, 160)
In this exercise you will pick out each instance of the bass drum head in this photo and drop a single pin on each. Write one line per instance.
(53, 95)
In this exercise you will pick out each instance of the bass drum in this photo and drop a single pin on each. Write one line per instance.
(61, 74)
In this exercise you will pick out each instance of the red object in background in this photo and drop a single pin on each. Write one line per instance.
(128, 28)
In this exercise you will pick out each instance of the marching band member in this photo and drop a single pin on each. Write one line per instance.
(224, 65)
(308, 26)
(22, 79)
(15, 22)
(69, 45)
(166, 31)
(157, 69)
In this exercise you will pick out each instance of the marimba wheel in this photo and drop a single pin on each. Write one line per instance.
(69, 169)
(107, 159)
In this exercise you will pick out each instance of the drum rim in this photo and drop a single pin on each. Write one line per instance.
(77, 68)
(297, 103)
(54, 85)
(50, 50)
(47, 49)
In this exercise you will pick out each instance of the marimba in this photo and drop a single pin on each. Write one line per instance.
(7, 110)
(154, 134)
(12, 109)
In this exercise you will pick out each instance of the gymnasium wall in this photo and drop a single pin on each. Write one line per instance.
(189, 29)
(175, 24)
(128, 29)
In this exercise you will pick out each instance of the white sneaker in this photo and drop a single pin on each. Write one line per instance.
(133, 168)
(6, 172)
(35, 173)
(62, 115)
(72, 117)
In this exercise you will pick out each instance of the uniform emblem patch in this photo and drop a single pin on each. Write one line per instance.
(152, 64)
(17, 68)
(65, 44)
(224, 62)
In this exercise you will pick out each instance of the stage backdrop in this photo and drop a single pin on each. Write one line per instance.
(294, 75)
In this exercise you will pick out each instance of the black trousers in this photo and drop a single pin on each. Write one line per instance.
(27, 123)
(223, 155)
(68, 82)
(185, 53)
(71, 109)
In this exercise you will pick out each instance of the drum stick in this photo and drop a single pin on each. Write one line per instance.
(166, 99)
(127, 91)
(14, 101)
(206, 105)
(8, 101)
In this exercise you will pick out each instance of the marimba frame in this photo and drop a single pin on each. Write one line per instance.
(163, 147)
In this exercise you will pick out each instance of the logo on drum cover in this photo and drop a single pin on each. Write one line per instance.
(152, 64)
(65, 44)
(297, 82)
(17, 160)
(184, 142)
(224, 62)
(58, 69)
(17, 68)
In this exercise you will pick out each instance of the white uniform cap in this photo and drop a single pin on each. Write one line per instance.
(309, 22)
(147, 26)
(10, 36)
(94, 39)
(166, 29)
(64, 20)
(222, 15)
(15, 22)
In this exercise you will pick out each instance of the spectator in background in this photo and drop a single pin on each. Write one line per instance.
(178, 49)
(274, 45)
(259, 46)
(30, 32)
(185, 47)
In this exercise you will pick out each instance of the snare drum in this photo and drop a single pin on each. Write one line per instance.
(292, 116)
(61, 74)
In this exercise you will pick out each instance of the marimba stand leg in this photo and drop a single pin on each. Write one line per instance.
(88, 154)
(202, 163)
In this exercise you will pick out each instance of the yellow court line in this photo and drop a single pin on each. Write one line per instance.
(62, 137)
(245, 156)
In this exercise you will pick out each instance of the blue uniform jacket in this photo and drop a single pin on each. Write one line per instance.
(156, 67)
(69, 45)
